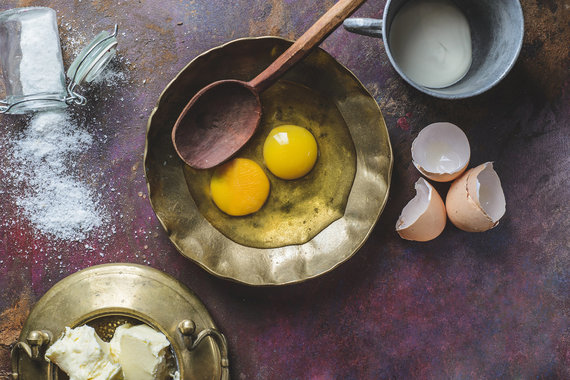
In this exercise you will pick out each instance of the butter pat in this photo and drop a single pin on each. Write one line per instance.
(82, 355)
(140, 350)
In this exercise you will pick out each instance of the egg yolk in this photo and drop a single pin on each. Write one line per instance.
(239, 187)
(290, 151)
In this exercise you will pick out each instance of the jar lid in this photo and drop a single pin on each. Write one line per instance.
(93, 59)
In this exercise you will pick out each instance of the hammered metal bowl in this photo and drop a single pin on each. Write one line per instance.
(191, 232)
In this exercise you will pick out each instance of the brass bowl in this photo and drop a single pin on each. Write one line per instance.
(106, 296)
(196, 238)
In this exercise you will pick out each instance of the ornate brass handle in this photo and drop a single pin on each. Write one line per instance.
(36, 340)
(192, 340)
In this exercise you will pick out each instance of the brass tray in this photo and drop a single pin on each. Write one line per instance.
(191, 232)
(106, 296)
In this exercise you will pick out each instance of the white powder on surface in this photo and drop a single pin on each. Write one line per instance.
(62, 207)
(54, 200)
(110, 76)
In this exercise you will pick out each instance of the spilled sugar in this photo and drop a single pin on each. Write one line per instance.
(110, 77)
(43, 163)
(54, 200)
(33, 198)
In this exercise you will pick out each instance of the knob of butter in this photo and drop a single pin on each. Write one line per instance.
(140, 350)
(83, 355)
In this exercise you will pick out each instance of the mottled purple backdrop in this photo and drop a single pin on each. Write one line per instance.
(464, 306)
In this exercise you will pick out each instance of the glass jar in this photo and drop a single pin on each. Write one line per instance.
(32, 65)
(30, 55)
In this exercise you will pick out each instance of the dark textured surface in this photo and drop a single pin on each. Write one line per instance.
(488, 305)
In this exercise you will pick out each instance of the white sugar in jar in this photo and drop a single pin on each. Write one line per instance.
(30, 55)
(431, 42)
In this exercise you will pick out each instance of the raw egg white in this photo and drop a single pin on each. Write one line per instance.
(424, 216)
(290, 151)
(239, 187)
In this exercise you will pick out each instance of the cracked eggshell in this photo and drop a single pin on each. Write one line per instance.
(475, 201)
(424, 217)
(441, 151)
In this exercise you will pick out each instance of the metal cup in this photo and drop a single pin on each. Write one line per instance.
(497, 29)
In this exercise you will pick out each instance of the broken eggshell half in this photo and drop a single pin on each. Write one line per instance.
(441, 151)
(424, 217)
(475, 201)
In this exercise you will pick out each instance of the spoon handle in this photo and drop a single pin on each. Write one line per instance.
(300, 48)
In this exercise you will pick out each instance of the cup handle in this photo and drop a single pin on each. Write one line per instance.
(366, 26)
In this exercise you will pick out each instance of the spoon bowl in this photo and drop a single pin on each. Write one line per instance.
(222, 117)
(210, 136)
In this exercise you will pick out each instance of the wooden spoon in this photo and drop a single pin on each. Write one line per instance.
(223, 116)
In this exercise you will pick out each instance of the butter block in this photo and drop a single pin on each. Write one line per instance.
(82, 355)
(140, 350)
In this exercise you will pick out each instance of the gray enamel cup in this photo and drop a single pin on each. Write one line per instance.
(497, 29)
